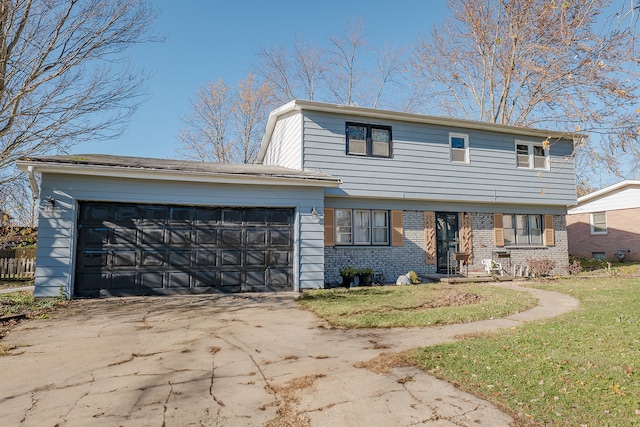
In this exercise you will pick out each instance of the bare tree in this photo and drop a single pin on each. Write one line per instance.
(345, 74)
(204, 135)
(63, 74)
(530, 63)
(292, 73)
(250, 111)
(225, 124)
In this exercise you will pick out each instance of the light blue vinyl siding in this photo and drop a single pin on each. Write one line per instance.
(57, 229)
(285, 148)
(420, 168)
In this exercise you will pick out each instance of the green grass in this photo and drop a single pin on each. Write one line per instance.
(24, 302)
(398, 306)
(582, 368)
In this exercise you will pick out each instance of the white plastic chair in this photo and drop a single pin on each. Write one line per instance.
(492, 267)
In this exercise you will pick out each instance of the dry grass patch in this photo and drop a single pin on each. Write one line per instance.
(287, 415)
(383, 363)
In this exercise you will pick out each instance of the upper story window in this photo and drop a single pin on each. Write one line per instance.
(531, 155)
(368, 140)
(361, 227)
(522, 229)
(599, 223)
(459, 145)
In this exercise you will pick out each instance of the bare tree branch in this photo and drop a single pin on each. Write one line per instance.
(63, 76)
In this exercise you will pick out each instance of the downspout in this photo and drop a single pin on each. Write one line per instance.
(34, 184)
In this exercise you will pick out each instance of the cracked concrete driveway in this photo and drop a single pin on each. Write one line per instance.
(228, 361)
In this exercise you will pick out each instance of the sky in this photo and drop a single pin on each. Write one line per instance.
(209, 40)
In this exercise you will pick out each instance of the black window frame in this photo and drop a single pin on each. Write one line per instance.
(369, 139)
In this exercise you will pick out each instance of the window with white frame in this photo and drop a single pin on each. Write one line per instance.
(361, 227)
(522, 230)
(531, 155)
(368, 140)
(599, 223)
(459, 146)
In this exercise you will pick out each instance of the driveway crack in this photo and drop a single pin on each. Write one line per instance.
(166, 404)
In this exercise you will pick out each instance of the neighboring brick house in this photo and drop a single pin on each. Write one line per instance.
(604, 224)
(335, 186)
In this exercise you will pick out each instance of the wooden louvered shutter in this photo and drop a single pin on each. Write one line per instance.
(397, 233)
(329, 229)
(466, 241)
(430, 237)
(549, 236)
(498, 231)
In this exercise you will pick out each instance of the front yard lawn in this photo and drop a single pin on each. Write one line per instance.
(580, 369)
(422, 305)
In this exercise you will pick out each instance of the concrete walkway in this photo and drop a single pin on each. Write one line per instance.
(230, 361)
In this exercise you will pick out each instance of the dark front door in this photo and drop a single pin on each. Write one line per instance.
(447, 241)
(139, 249)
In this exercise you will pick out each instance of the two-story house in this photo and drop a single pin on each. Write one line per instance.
(335, 186)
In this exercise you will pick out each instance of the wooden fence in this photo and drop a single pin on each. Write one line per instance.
(17, 268)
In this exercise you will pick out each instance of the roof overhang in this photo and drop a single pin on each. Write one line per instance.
(280, 178)
(300, 105)
(608, 190)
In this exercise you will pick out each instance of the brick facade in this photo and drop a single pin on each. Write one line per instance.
(621, 235)
(484, 246)
(394, 261)
(389, 261)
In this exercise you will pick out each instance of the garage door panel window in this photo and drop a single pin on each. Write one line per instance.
(280, 217)
(96, 214)
(231, 216)
(208, 215)
(231, 237)
(180, 215)
(154, 215)
(125, 214)
(256, 217)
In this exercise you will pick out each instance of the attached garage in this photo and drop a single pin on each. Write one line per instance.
(118, 226)
(144, 249)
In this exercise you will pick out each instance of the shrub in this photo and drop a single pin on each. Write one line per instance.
(348, 271)
(413, 277)
(541, 267)
(366, 270)
(575, 267)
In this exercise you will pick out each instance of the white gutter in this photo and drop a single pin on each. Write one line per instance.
(173, 175)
